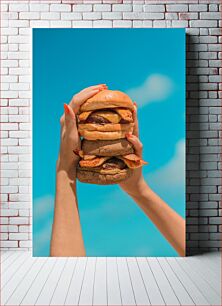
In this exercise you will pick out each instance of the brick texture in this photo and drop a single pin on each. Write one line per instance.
(201, 18)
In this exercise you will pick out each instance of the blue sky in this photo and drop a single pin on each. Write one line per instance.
(148, 64)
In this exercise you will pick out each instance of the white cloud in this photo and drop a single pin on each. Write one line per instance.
(173, 173)
(157, 87)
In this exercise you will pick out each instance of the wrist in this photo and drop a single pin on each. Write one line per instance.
(138, 188)
(66, 169)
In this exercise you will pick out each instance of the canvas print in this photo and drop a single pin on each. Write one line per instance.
(109, 142)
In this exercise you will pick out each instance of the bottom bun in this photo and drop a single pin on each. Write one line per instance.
(92, 177)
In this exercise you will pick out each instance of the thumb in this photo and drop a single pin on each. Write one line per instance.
(70, 118)
(138, 147)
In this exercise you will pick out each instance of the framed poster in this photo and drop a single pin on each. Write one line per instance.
(148, 66)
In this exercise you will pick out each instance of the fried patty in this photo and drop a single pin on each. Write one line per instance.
(99, 119)
(114, 163)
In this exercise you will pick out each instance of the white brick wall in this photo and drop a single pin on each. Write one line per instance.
(200, 17)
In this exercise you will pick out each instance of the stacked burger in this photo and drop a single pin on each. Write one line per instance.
(106, 157)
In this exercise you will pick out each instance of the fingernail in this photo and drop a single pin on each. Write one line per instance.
(135, 104)
(76, 152)
(128, 135)
(66, 108)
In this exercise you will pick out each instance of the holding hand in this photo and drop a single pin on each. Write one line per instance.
(169, 223)
(70, 140)
(134, 184)
(67, 237)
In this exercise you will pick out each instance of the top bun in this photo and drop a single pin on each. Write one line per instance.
(107, 99)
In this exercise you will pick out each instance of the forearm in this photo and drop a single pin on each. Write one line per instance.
(169, 223)
(66, 233)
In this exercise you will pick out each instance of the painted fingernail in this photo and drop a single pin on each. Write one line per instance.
(128, 135)
(66, 108)
(135, 104)
(76, 152)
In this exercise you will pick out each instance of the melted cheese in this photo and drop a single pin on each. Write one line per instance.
(125, 114)
(89, 157)
(83, 116)
(112, 117)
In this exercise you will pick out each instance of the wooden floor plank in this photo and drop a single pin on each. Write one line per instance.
(113, 286)
(9, 287)
(206, 273)
(5, 255)
(215, 257)
(208, 292)
(17, 296)
(167, 291)
(47, 291)
(110, 281)
(86, 294)
(61, 290)
(181, 293)
(139, 289)
(74, 290)
(10, 261)
(126, 289)
(100, 283)
(212, 261)
(191, 288)
(35, 289)
(13, 269)
(152, 288)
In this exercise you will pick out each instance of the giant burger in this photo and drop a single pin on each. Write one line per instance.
(107, 162)
(106, 116)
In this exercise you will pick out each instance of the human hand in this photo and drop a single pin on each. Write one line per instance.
(70, 140)
(134, 184)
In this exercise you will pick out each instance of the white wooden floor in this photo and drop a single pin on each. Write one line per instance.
(110, 281)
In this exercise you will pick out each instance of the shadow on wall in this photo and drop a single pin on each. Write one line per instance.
(196, 226)
(192, 143)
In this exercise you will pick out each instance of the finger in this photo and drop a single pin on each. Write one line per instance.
(62, 120)
(94, 87)
(70, 118)
(78, 98)
(138, 147)
(136, 124)
(76, 103)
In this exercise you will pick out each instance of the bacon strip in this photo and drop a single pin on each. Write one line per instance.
(133, 161)
(98, 161)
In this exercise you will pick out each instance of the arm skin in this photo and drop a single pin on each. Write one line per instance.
(67, 237)
(168, 222)
(66, 233)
